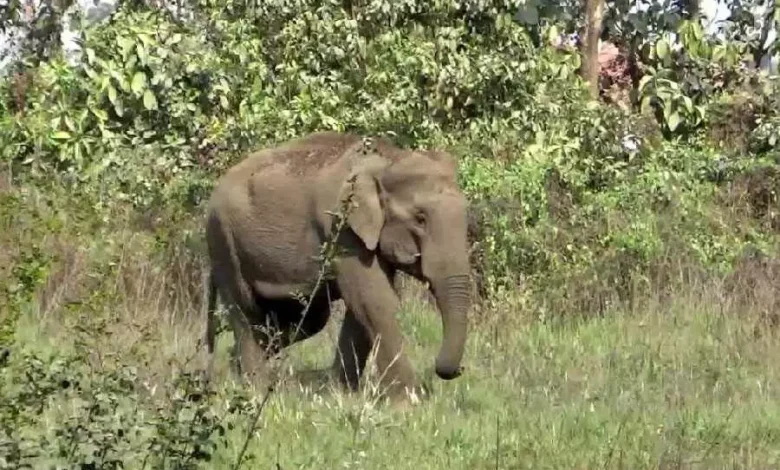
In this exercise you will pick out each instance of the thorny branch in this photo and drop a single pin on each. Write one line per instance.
(328, 252)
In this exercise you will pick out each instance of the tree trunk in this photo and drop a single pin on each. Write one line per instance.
(594, 18)
(761, 48)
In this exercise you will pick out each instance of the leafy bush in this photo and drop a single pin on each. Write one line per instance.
(158, 106)
(102, 398)
(745, 120)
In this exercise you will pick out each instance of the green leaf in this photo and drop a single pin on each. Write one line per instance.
(646, 102)
(100, 114)
(674, 121)
(145, 39)
(138, 83)
(718, 53)
(150, 102)
(61, 135)
(644, 81)
(124, 44)
(688, 103)
(552, 33)
(112, 94)
(119, 108)
(662, 49)
(140, 51)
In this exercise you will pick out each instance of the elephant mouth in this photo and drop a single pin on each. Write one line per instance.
(412, 269)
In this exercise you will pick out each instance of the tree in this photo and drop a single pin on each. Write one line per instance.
(761, 47)
(594, 19)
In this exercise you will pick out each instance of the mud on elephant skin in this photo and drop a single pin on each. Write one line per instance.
(268, 216)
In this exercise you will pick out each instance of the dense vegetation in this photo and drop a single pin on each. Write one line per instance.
(625, 254)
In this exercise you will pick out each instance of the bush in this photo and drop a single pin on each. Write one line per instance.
(745, 119)
(157, 107)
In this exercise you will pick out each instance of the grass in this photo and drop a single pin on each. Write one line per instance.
(682, 386)
(677, 387)
(689, 381)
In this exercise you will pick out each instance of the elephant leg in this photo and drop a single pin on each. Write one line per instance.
(354, 345)
(367, 290)
(248, 356)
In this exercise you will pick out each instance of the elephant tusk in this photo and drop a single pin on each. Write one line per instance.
(417, 255)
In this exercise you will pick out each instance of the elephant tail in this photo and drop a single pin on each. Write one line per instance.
(211, 325)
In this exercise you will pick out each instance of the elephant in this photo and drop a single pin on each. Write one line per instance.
(268, 216)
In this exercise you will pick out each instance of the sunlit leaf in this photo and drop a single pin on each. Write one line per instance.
(674, 121)
(111, 94)
(662, 49)
(138, 83)
(150, 102)
(61, 135)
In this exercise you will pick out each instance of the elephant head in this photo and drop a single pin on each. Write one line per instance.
(412, 213)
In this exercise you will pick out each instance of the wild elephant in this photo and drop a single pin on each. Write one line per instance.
(269, 215)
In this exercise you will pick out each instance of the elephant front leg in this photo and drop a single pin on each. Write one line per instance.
(354, 345)
(370, 322)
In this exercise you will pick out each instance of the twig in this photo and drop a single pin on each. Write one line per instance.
(327, 253)
(498, 437)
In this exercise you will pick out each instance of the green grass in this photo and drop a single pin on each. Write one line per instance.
(679, 386)
(683, 387)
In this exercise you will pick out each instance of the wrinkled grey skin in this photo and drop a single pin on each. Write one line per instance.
(269, 215)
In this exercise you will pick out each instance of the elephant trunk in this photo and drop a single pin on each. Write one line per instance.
(453, 298)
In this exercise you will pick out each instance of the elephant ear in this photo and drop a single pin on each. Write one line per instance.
(366, 217)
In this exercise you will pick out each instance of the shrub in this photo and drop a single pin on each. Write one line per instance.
(745, 118)
(157, 107)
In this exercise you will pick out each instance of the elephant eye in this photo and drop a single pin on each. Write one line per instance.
(419, 218)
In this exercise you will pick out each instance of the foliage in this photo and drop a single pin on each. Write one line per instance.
(109, 422)
(95, 402)
(679, 82)
(746, 120)
(159, 105)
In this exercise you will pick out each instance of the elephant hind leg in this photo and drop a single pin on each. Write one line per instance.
(247, 357)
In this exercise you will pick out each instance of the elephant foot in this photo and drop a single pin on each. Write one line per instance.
(392, 389)
(253, 371)
(404, 397)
